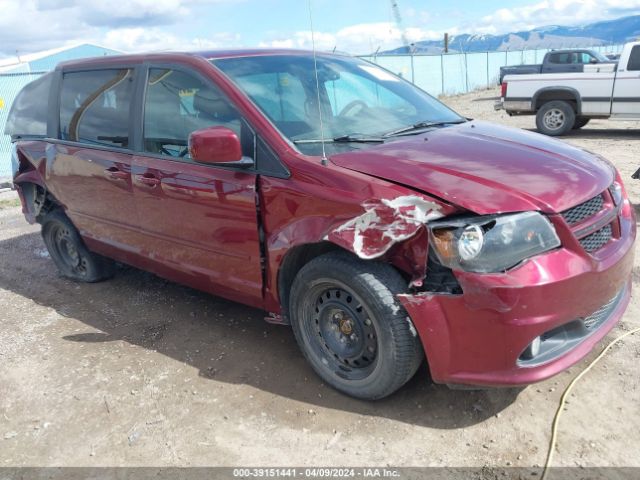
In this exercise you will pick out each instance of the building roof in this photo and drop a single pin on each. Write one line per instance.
(47, 59)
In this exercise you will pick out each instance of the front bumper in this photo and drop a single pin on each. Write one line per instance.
(478, 337)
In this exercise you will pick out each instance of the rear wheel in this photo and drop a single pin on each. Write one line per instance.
(555, 118)
(351, 328)
(580, 122)
(69, 253)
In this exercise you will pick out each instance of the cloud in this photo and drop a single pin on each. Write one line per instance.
(157, 39)
(359, 38)
(139, 25)
(103, 21)
(552, 12)
(368, 37)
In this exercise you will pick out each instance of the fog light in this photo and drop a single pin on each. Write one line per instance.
(532, 350)
(535, 347)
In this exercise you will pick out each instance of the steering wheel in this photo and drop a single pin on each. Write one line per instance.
(351, 106)
(167, 152)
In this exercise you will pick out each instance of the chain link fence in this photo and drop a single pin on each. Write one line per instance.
(456, 73)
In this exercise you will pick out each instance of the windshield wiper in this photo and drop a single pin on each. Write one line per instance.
(421, 126)
(342, 139)
(357, 139)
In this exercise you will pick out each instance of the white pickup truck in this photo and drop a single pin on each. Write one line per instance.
(565, 101)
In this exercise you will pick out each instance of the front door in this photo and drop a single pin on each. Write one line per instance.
(200, 221)
(626, 92)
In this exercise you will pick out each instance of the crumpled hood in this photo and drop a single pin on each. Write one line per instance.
(487, 168)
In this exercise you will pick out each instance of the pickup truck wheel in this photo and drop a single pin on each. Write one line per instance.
(350, 326)
(555, 118)
(580, 122)
(69, 253)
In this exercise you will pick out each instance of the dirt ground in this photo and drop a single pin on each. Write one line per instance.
(138, 371)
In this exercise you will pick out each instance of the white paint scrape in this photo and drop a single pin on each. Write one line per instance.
(385, 223)
(412, 329)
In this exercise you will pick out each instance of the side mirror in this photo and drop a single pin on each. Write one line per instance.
(217, 145)
(593, 61)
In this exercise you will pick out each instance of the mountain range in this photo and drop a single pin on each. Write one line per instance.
(609, 32)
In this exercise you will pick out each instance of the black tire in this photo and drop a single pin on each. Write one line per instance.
(69, 253)
(337, 297)
(580, 122)
(555, 118)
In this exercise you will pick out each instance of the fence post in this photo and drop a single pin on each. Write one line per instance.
(466, 73)
(487, 69)
(413, 75)
(442, 71)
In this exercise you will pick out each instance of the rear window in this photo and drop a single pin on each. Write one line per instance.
(94, 107)
(28, 115)
(634, 59)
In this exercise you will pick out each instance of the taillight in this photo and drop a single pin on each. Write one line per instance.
(503, 89)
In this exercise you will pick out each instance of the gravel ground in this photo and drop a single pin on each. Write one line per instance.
(138, 371)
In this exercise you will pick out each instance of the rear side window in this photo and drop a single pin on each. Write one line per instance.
(95, 105)
(634, 59)
(28, 115)
(564, 58)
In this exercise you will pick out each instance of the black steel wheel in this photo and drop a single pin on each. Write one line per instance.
(68, 252)
(344, 333)
(350, 326)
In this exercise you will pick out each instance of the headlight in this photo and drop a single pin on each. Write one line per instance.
(616, 193)
(491, 243)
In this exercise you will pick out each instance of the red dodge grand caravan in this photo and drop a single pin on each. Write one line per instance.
(341, 199)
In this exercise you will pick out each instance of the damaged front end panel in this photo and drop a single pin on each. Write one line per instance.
(387, 223)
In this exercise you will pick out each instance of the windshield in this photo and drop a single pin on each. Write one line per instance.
(357, 99)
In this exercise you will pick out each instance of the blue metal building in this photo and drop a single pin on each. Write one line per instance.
(15, 73)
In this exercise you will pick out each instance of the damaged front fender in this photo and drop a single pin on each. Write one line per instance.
(387, 223)
(384, 224)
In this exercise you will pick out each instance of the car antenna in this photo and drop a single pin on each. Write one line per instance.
(323, 160)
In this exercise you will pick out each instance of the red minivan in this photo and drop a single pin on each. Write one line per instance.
(383, 227)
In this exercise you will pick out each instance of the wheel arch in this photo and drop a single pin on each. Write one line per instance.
(296, 258)
(549, 94)
(36, 200)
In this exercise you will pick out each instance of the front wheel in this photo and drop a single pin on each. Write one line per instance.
(350, 326)
(555, 118)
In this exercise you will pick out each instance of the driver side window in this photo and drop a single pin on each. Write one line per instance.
(177, 104)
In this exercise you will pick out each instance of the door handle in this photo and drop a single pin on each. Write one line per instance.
(116, 174)
(148, 180)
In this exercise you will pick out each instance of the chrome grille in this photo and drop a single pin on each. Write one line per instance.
(601, 315)
(596, 240)
(584, 210)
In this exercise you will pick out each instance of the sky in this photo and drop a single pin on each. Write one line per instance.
(354, 26)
